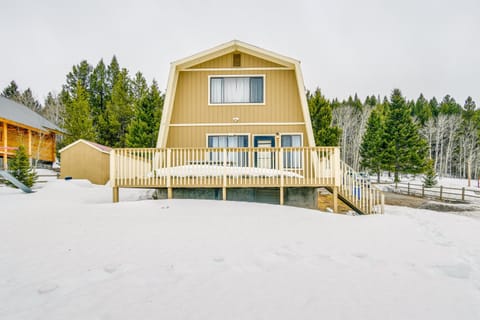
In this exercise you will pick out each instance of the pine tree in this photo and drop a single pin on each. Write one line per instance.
(78, 120)
(422, 110)
(19, 167)
(143, 130)
(80, 74)
(430, 178)
(139, 86)
(99, 92)
(118, 114)
(11, 92)
(113, 70)
(373, 144)
(405, 150)
(27, 99)
(449, 106)
(321, 116)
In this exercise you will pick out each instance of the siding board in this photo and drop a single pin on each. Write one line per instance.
(282, 103)
(226, 61)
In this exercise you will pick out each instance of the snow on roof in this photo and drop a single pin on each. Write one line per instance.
(14, 111)
(99, 147)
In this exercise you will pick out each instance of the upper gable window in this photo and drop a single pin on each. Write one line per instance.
(237, 90)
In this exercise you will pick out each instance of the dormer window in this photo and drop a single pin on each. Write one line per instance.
(237, 90)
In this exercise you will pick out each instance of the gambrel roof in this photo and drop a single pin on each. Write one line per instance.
(223, 49)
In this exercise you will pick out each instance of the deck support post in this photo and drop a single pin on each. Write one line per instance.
(224, 193)
(5, 145)
(30, 146)
(115, 194)
(282, 196)
(169, 193)
(382, 203)
(335, 199)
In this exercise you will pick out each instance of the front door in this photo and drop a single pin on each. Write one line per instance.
(264, 158)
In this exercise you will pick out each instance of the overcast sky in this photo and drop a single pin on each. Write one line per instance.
(345, 46)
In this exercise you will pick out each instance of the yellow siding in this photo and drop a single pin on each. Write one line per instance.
(181, 137)
(282, 102)
(226, 61)
(81, 161)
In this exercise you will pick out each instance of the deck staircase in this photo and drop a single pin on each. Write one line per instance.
(357, 192)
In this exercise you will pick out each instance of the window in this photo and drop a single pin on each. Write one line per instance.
(237, 59)
(292, 159)
(229, 141)
(225, 90)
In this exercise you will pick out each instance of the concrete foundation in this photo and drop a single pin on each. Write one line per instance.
(297, 197)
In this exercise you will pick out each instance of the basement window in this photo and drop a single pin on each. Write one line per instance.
(237, 90)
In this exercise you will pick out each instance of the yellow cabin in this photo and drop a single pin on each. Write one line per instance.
(21, 126)
(252, 96)
(236, 126)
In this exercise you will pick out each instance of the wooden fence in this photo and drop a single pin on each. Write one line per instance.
(438, 192)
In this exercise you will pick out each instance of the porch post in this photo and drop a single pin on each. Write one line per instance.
(335, 199)
(5, 145)
(30, 146)
(282, 178)
(224, 183)
(169, 186)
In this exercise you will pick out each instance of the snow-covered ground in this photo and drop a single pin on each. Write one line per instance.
(67, 252)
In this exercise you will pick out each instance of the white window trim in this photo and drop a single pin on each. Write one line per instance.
(227, 134)
(292, 134)
(238, 76)
(302, 145)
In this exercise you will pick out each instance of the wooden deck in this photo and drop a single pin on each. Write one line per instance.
(242, 168)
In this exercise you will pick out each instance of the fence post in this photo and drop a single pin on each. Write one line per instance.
(169, 182)
(441, 192)
(282, 177)
(423, 191)
(224, 185)
(463, 194)
(408, 188)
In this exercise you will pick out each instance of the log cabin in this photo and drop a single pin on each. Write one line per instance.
(20, 125)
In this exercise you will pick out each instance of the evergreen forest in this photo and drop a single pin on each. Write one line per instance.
(108, 105)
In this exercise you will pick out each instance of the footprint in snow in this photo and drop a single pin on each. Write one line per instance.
(459, 271)
(218, 259)
(110, 268)
(47, 288)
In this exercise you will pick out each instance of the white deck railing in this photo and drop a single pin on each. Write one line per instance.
(237, 167)
(217, 167)
(359, 191)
